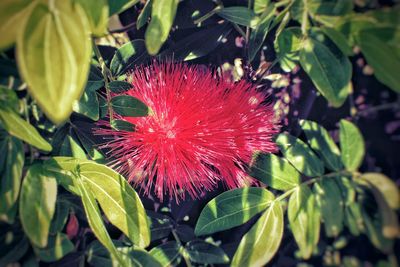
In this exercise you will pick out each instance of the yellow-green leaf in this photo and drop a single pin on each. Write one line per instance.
(53, 53)
(351, 145)
(386, 186)
(97, 12)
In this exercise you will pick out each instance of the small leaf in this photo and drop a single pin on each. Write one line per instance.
(128, 56)
(351, 145)
(37, 204)
(117, 6)
(97, 12)
(167, 253)
(160, 225)
(206, 253)
(88, 104)
(144, 15)
(322, 143)
(129, 106)
(386, 186)
(240, 15)
(330, 201)
(162, 16)
(21, 129)
(287, 47)
(300, 155)
(119, 86)
(232, 208)
(260, 244)
(57, 247)
(58, 33)
(304, 220)
(121, 125)
(275, 172)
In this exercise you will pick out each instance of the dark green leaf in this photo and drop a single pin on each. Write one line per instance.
(37, 204)
(88, 104)
(287, 47)
(167, 253)
(275, 172)
(143, 258)
(304, 220)
(121, 125)
(21, 129)
(260, 244)
(128, 56)
(57, 247)
(129, 106)
(13, 247)
(240, 15)
(300, 155)
(119, 86)
(160, 225)
(339, 39)
(354, 219)
(60, 216)
(322, 143)
(351, 145)
(117, 6)
(144, 15)
(98, 255)
(8, 97)
(206, 253)
(232, 208)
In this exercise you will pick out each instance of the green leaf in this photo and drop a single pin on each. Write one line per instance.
(128, 56)
(232, 208)
(203, 252)
(162, 16)
(386, 186)
(58, 33)
(167, 253)
(10, 176)
(97, 12)
(14, 245)
(198, 44)
(60, 216)
(352, 145)
(328, 68)
(260, 6)
(240, 15)
(121, 125)
(117, 198)
(275, 172)
(21, 129)
(13, 14)
(304, 220)
(117, 6)
(322, 143)
(329, 199)
(129, 106)
(287, 47)
(143, 258)
(37, 204)
(119, 86)
(353, 219)
(144, 15)
(57, 247)
(160, 225)
(384, 64)
(260, 244)
(88, 104)
(258, 35)
(300, 155)
(339, 39)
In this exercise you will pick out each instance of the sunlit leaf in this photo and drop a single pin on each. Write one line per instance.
(97, 12)
(287, 47)
(352, 145)
(386, 186)
(128, 56)
(117, 6)
(129, 106)
(240, 15)
(167, 253)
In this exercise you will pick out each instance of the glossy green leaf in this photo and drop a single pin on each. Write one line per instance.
(121, 125)
(300, 155)
(329, 69)
(97, 12)
(198, 44)
(232, 208)
(258, 35)
(384, 64)
(329, 199)
(57, 247)
(128, 56)
(117, 198)
(287, 47)
(322, 143)
(275, 172)
(352, 145)
(10, 176)
(200, 251)
(55, 33)
(129, 106)
(259, 245)
(117, 6)
(144, 15)
(119, 86)
(60, 216)
(162, 17)
(167, 253)
(37, 204)
(304, 220)
(386, 186)
(88, 104)
(13, 14)
(21, 129)
(143, 258)
(240, 15)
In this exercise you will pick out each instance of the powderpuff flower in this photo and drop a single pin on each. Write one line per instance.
(202, 130)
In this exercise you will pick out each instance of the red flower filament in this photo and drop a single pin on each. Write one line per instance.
(202, 130)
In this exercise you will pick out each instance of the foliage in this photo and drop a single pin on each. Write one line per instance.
(59, 202)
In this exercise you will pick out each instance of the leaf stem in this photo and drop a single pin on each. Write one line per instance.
(182, 251)
(209, 14)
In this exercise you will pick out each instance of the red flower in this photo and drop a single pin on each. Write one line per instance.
(202, 130)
